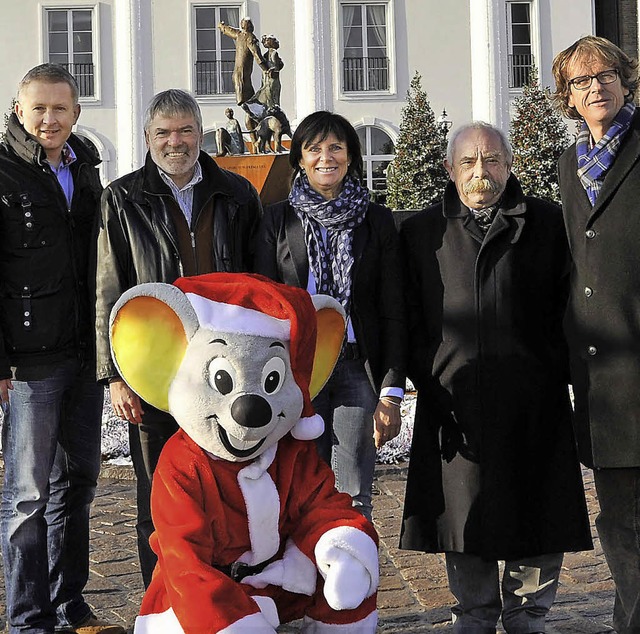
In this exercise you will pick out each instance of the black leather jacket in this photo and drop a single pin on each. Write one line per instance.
(137, 241)
(46, 306)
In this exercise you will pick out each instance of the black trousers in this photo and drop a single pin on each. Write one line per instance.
(146, 441)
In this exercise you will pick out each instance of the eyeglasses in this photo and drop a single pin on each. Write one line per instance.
(584, 81)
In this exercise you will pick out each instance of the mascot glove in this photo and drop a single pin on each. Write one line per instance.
(348, 560)
(295, 572)
(264, 622)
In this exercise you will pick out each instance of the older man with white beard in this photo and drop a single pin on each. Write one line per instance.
(493, 473)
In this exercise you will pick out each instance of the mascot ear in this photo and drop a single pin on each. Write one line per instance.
(331, 327)
(149, 329)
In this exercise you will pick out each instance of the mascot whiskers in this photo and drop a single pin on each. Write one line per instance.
(250, 530)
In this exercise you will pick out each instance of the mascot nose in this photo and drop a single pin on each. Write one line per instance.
(251, 410)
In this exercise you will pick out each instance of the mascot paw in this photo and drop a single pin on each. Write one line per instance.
(346, 583)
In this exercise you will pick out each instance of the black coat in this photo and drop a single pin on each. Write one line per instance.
(377, 309)
(493, 468)
(137, 239)
(46, 302)
(603, 319)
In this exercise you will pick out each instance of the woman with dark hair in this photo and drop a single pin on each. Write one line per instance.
(328, 237)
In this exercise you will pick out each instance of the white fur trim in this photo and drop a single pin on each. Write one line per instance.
(255, 623)
(308, 428)
(165, 622)
(233, 318)
(345, 553)
(364, 626)
(295, 572)
(263, 508)
(268, 609)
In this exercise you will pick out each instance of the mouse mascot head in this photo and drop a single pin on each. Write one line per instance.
(247, 516)
(230, 356)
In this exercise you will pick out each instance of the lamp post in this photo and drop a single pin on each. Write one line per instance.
(444, 122)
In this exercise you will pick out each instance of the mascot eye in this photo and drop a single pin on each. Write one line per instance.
(273, 375)
(221, 375)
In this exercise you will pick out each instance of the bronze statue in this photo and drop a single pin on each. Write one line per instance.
(247, 49)
(229, 139)
(269, 92)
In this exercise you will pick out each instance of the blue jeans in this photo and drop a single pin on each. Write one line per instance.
(618, 527)
(347, 403)
(51, 447)
(529, 588)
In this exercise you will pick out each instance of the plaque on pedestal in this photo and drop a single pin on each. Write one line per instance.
(270, 174)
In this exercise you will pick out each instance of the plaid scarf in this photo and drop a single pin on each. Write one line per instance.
(594, 162)
(330, 262)
(484, 217)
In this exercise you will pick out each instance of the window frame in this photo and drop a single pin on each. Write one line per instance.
(363, 95)
(533, 39)
(368, 159)
(67, 6)
(241, 5)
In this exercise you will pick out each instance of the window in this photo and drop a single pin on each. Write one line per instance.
(365, 59)
(215, 53)
(378, 151)
(519, 38)
(70, 44)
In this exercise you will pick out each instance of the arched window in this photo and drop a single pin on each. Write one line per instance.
(378, 151)
(209, 144)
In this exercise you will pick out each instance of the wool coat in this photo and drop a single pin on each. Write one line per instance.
(493, 469)
(603, 317)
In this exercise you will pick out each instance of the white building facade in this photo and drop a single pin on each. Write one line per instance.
(355, 57)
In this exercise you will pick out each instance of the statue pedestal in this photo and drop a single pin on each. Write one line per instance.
(270, 174)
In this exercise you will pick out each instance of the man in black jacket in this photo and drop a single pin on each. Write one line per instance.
(600, 187)
(178, 215)
(49, 199)
(493, 474)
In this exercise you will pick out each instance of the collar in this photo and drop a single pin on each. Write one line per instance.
(68, 157)
(195, 179)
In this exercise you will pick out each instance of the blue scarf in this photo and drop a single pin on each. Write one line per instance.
(331, 262)
(594, 163)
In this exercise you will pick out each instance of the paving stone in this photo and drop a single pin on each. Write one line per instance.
(413, 596)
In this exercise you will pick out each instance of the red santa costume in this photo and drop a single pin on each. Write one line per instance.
(278, 516)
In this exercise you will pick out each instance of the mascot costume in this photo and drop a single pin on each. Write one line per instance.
(250, 530)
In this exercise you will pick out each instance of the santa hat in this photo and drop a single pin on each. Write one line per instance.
(255, 305)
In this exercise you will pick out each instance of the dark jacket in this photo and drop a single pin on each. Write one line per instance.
(603, 318)
(138, 242)
(45, 265)
(377, 310)
(493, 469)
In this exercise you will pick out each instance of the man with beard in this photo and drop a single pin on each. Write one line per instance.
(178, 215)
(493, 474)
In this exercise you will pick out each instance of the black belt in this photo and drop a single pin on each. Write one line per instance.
(238, 570)
(351, 351)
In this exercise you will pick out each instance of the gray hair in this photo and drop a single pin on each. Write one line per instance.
(172, 103)
(480, 125)
(50, 74)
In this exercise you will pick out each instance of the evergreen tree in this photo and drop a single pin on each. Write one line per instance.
(416, 177)
(538, 136)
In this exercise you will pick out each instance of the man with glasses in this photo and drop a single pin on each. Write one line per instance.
(600, 187)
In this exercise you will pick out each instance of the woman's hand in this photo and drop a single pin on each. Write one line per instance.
(386, 420)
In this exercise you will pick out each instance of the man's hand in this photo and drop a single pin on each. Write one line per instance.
(5, 386)
(126, 403)
(386, 420)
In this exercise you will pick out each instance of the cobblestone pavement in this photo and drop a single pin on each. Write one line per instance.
(413, 596)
